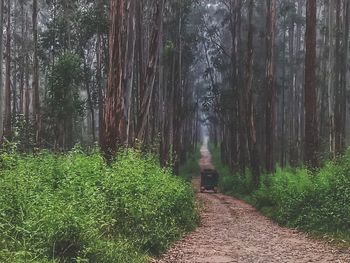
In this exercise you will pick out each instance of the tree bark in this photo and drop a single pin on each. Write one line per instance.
(177, 101)
(343, 79)
(250, 117)
(337, 87)
(100, 87)
(331, 76)
(233, 119)
(35, 83)
(270, 89)
(311, 131)
(1, 70)
(89, 97)
(113, 114)
(129, 67)
(26, 99)
(7, 119)
(22, 60)
(341, 52)
(150, 72)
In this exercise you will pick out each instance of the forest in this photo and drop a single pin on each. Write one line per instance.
(109, 108)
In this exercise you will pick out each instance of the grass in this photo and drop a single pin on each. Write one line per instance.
(317, 203)
(75, 208)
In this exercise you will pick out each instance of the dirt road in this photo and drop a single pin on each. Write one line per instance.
(233, 231)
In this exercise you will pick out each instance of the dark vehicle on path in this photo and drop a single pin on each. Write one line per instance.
(209, 180)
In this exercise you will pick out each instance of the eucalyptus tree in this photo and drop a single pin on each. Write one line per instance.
(270, 84)
(311, 130)
(113, 133)
(35, 84)
(249, 100)
(7, 117)
(1, 68)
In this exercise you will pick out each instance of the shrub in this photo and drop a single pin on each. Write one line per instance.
(75, 208)
(230, 183)
(315, 202)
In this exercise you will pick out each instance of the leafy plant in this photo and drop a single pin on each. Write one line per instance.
(317, 203)
(75, 208)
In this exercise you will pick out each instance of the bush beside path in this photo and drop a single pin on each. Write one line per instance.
(75, 208)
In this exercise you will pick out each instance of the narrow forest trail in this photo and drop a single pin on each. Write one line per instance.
(233, 231)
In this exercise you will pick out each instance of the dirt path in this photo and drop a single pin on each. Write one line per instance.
(233, 231)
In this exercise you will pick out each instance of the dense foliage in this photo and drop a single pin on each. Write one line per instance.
(317, 203)
(75, 208)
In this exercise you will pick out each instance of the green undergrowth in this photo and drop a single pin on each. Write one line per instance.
(75, 208)
(191, 167)
(235, 185)
(318, 203)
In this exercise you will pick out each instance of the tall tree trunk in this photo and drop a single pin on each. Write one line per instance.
(27, 90)
(299, 109)
(292, 95)
(323, 118)
(7, 119)
(311, 131)
(243, 143)
(233, 151)
(100, 87)
(113, 114)
(1, 69)
(178, 101)
(140, 51)
(150, 72)
(35, 84)
(343, 79)
(331, 76)
(22, 60)
(337, 87)
(170, 111)
(283, 111)
(270, 89)
(26, 99)
(89, 97)
(340, 71)
(250, 117)
(14, 50)
(129, 67)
